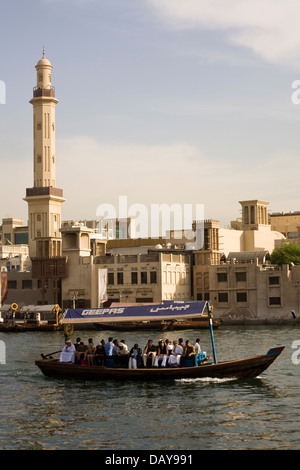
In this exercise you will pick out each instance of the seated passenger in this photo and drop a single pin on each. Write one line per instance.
(169, 346)
(175, 356)
(109, 347)
(123, 354)
(149, 354)
(197, 346)
(68, 352)
(99, 355)
(162, 354)
(80, 354)
(135, 359)
(90, 353)
(189, 351)
(78, 341)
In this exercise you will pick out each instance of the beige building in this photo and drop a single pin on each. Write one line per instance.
(248, 290)
(147, 277)
(287, 223)
(252, 234)
(152, 277)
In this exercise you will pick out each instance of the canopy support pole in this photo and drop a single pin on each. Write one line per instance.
(209, 310)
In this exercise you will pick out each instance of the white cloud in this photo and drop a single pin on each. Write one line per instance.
(270, 28)
(93, 173)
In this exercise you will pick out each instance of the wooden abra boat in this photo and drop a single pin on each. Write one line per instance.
(240, 369)
(29, 318)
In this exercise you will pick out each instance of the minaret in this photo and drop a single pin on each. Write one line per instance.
(44, 199)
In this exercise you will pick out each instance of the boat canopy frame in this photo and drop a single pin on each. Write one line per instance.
(166, 310)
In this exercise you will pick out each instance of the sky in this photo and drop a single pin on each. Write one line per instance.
(187, 102)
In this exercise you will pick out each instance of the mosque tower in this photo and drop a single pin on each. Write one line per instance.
(44, 198)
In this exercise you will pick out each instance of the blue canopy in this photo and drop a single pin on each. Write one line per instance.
(167, 310)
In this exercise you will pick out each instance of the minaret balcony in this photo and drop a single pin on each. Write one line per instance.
(44, 191)
(49, 92)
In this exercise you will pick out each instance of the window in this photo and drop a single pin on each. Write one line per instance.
(110, 278)
(7, 239)
(153, 277)
(134, 278)
(222, 277)
(241, 276)
(120, 278)
(40, 284)
(241, 296)
(223, 297)
(27, 284)
(274, 280)
(11, 284)
(144, 277)
(274, 301)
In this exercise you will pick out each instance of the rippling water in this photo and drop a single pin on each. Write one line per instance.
(37, 412)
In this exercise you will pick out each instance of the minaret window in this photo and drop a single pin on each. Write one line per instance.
(39, 126)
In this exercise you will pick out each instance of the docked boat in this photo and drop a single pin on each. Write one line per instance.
(241, 368)
(164, 325)
(29, 318)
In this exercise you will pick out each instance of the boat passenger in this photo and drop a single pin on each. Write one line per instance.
(123, 354)
(90, 354)
(68, 352)
(135, 359)
(78, 341)
(109, 347)
(189, 351)
(149, 353)
(116, 347)
(169, 346)
(80, 354)
(176, 354)
(99, 355)
(197, 346)
(181, 343)
(162, 354)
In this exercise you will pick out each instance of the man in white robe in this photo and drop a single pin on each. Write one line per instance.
(175, 356)
(68, 352)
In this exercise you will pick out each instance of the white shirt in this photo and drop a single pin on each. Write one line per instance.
(177, 351)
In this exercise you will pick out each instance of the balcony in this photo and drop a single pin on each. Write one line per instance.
(38, 92)
(44, 191)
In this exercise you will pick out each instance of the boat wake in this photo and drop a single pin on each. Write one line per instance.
(205, 380)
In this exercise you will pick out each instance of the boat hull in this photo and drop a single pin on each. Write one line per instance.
(240, 369)
(19, 328)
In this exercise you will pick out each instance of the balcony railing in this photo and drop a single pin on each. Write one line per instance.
(49, 92)
(44, 191)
